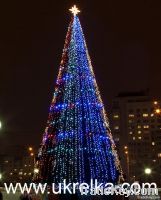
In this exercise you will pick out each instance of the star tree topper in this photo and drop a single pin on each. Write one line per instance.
(74, 10)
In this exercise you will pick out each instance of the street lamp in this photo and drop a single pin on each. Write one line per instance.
(127, 160)
(30, 149)
(158, 111)
(31, 154)
(155, 102)
(147, 171)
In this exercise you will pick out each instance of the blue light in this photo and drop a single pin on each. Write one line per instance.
(83, 147)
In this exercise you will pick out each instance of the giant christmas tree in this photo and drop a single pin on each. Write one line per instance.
(77, 144)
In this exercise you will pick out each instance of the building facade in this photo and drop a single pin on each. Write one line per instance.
(17, 167)
(136, 126)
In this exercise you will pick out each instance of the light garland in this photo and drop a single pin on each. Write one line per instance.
(77, 144)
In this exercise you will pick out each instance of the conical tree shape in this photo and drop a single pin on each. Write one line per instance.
(77, 144)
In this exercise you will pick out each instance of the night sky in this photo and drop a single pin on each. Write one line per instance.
(124, 42)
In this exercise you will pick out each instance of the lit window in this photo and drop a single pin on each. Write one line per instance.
(139, 138)
(130, 132)
(155, 102)
(116, 116)
(139, 132)
(131, 115)
(146, 126)
(145, 115)
(159, 155)
(116, 127)
(152, 115)
(117, 139)
(133, 138)
(139, 126)
(153, 143)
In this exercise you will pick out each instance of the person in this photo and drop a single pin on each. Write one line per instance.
(25, 196)
(1, 196)
(34, 196)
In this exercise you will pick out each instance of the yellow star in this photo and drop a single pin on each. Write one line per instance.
(74, 10)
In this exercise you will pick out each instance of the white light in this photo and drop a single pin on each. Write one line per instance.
(116, 127)
(155, 102)
(116, 116)
(74, 10)
(145, 115)
(0, 124)
(36, 171)
(147, 171)
(131, 115)
(146, 126)
(0, 176)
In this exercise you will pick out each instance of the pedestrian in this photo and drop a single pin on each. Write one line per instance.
(1, 196)
(25, 196)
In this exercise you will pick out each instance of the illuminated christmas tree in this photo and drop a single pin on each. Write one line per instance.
(77, 144)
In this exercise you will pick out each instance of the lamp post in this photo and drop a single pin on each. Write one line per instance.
(0, 176)
(31, 152)
(0, 125)
(127, 160)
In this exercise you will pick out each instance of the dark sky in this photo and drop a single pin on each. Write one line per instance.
(124, 42)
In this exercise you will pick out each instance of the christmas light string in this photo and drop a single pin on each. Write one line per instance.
(77, 144)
